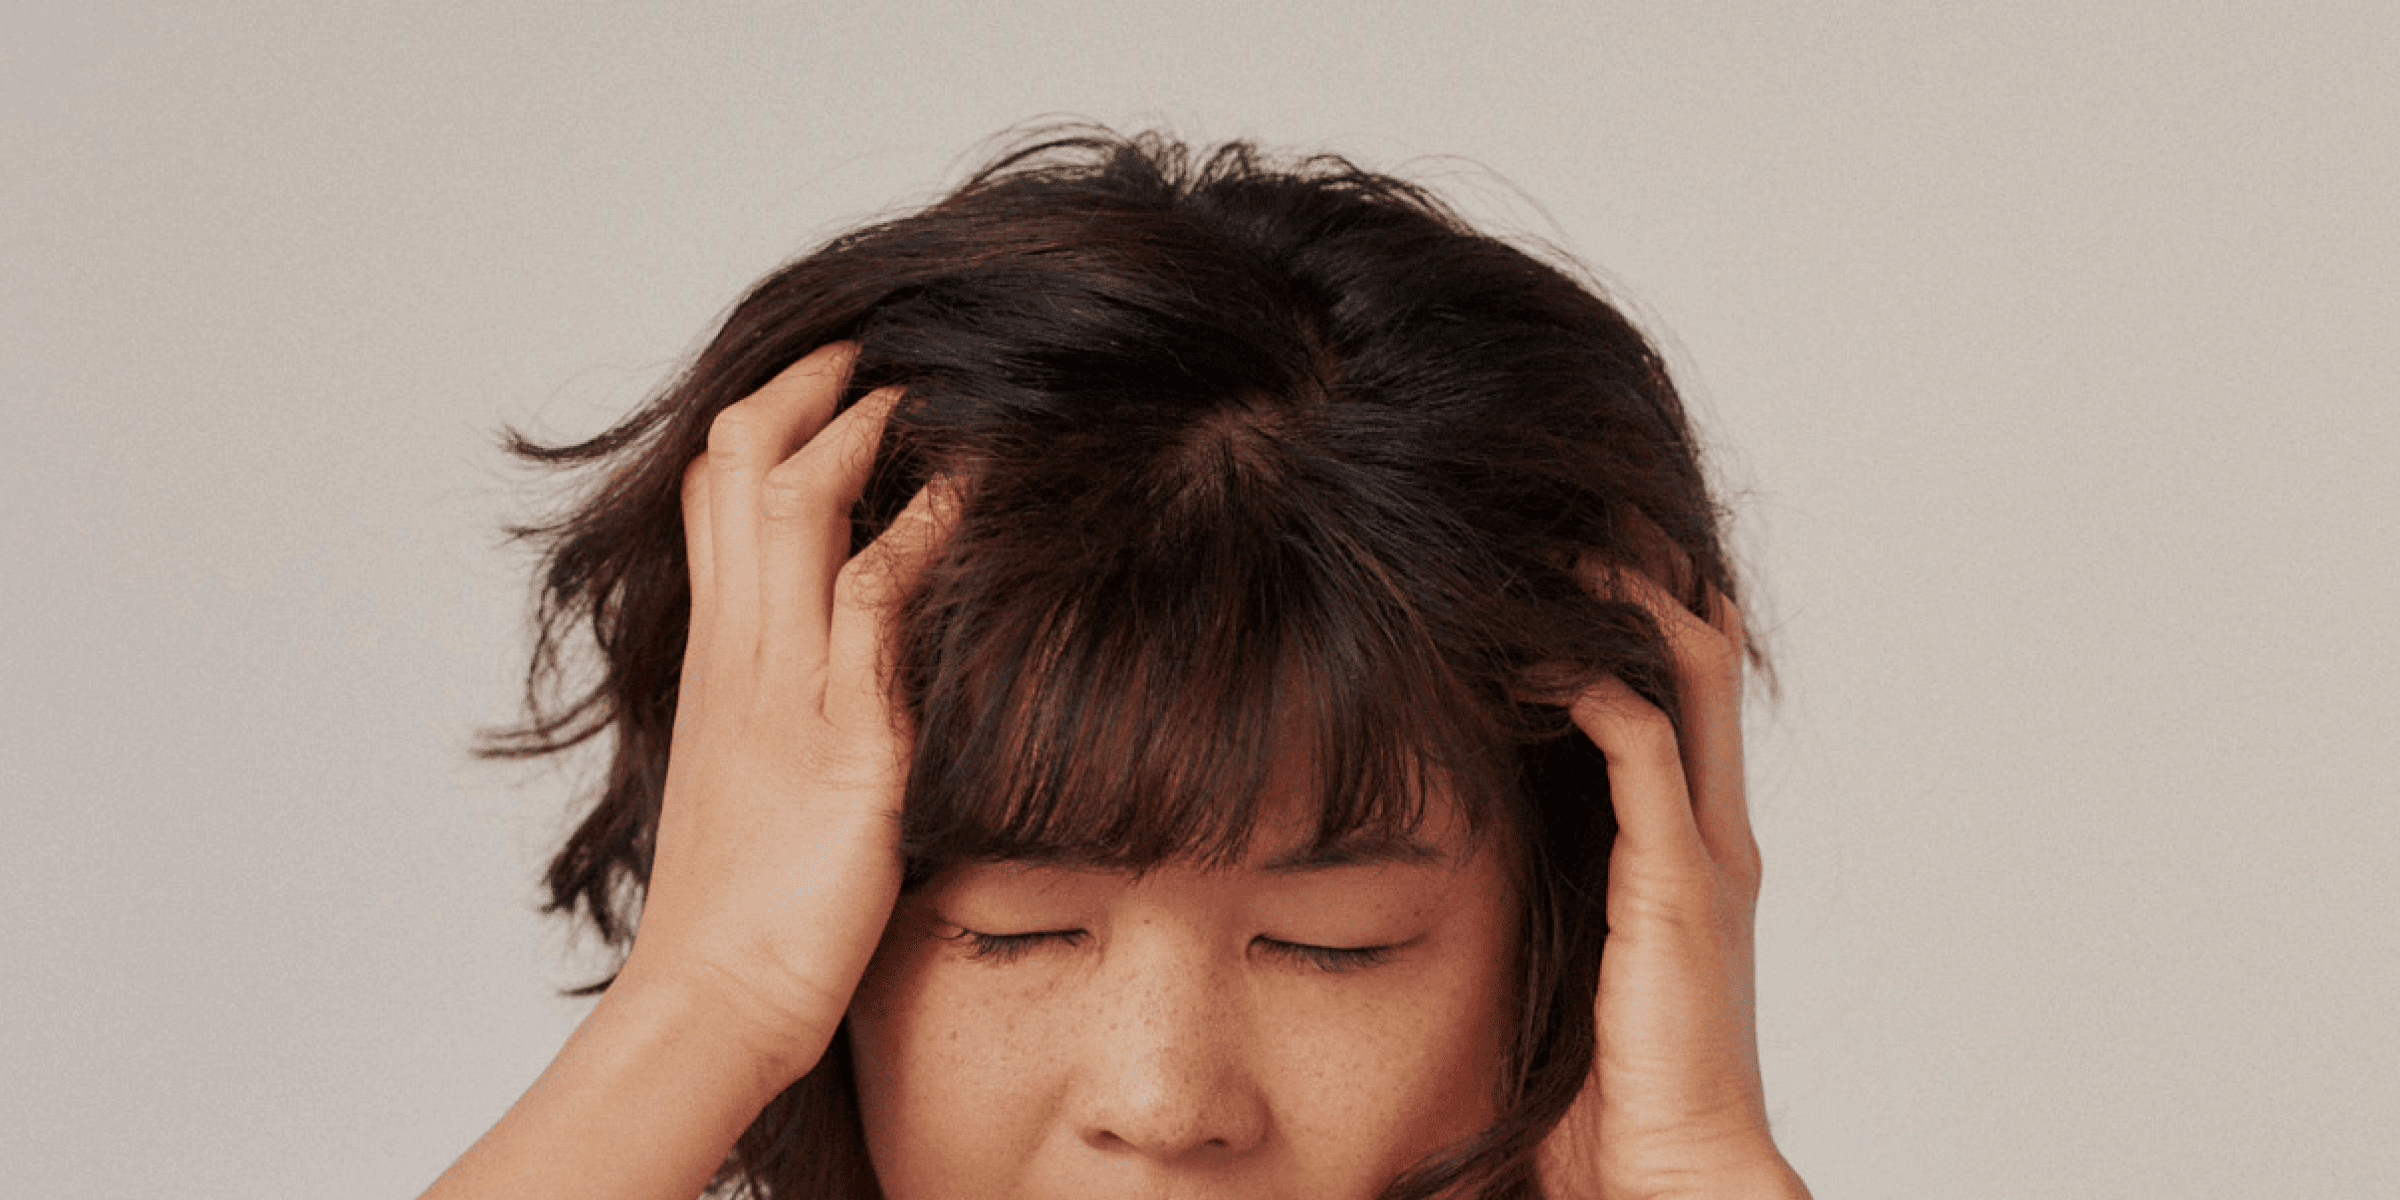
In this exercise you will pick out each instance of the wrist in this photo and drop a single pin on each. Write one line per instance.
(756, 1054)
(1767, 1179)
(645, 1099)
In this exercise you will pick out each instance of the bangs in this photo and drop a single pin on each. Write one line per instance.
(1158, 684)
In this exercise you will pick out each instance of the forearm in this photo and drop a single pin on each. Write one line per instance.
(642, 1103)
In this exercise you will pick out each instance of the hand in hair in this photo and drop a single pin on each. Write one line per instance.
(777, 859)
(1674, 1106)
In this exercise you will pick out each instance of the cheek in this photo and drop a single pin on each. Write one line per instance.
(951, 1075)
(1421, 1062)
(1427, 1059)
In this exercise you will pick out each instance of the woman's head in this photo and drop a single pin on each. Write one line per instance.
(1282, 496)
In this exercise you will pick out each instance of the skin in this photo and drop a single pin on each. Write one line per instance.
(1172, 1043)
(1675, 1105)
(1178, 1058)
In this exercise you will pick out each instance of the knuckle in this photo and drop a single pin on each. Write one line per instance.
(1710, 654)
(792, 489)
(1743, 863)
(1731, 622)
(735, 432)
(867, 583)
(1639, 724)
(1721, 659)
(855, 586)
(1650, 732)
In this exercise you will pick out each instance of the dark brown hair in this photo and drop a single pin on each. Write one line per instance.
(1251, 449)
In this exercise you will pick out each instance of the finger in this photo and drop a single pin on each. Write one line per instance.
(1658, 556)
(1646, 783)
(805, 532)
(1663, 561)
(1727, 621)
(745, 441)
(1708, 671)
(871, 584)
(700, 566)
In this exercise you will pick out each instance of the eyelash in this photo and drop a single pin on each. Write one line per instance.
(1009, 947)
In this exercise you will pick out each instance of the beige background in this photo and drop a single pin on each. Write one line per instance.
(2051, 347)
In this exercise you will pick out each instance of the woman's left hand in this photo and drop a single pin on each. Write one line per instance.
(1674, 1106)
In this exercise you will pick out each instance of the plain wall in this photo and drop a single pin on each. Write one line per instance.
(2049, 349)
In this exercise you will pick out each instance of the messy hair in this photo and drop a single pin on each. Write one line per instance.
(1248, 450)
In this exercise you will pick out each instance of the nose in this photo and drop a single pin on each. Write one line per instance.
(1167, 1061)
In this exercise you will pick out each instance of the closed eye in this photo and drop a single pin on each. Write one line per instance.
(1009, 947)
(1331, 958)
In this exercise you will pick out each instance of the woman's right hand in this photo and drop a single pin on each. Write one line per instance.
(777, 860)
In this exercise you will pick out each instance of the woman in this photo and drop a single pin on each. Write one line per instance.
(1152, 676)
